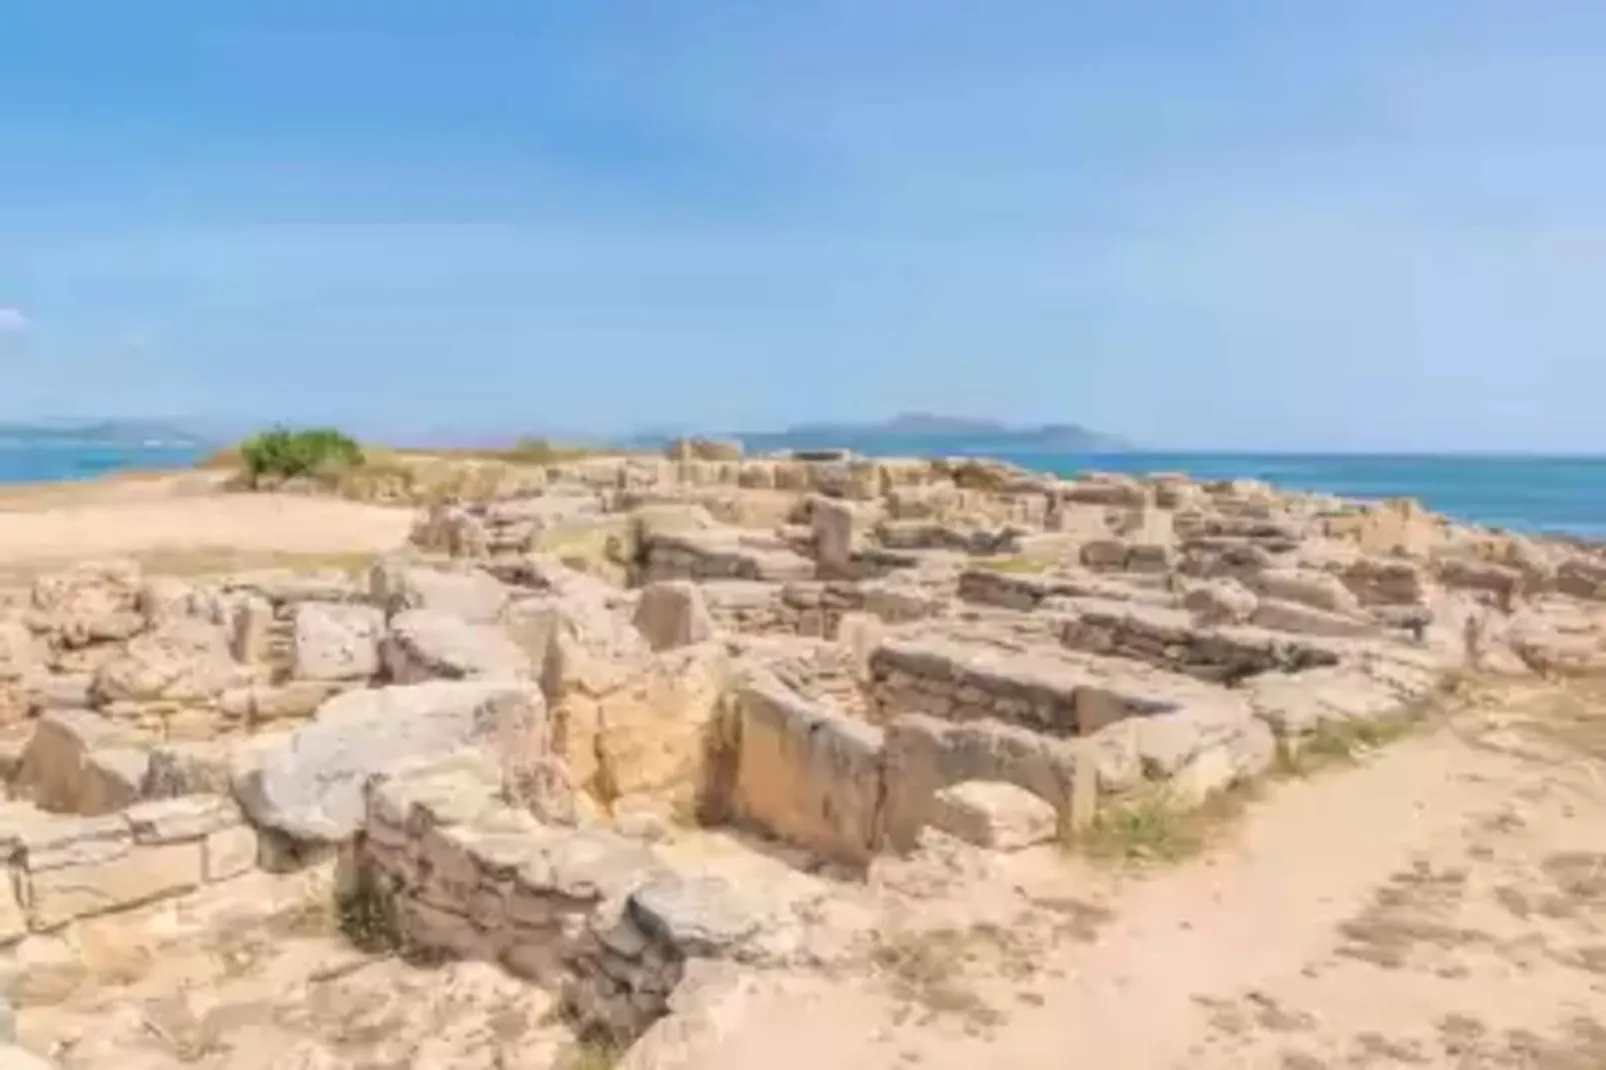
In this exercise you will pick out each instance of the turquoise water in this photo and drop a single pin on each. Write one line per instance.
(32, 462)
(1557, 494)
(1561, 494)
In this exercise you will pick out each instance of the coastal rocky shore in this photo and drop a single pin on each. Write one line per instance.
(605, 757)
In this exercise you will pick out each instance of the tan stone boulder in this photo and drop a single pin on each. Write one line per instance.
(184, 660)
(642, 728)
(98, 601)
(425, 644)
(470, 593)
(994, 815)
(22, 659)
(1311, 587)
(335, 642)
(78, 762)
(673, 614)
(1220, 601)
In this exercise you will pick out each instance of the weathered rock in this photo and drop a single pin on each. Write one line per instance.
(1220, 601)
(1311, 587)
(804, 773)
(426, 644)
(472, 594)
(1281, 615)
(310, 786)
(1387, 581)
(97, 601)
(184, 660)
(994, 815)
(647, 732)
(695, 918)
(57, 770)
(336, 641)
(672, 613)
(834, 523)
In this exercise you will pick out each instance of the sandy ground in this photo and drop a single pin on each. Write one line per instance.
(1441, 905)
(184, 522)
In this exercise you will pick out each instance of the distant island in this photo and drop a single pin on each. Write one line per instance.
(918, 433)
(105, 433)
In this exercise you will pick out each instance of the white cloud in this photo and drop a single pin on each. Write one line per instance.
(12, 319)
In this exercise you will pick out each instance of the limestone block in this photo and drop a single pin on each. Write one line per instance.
(425, 644)
(228, 852)
(698, 917)
(113, 777)
(309, 785)
(834, 524)
(60, 691)
(181, 819)
(1281, 615)
(471, 594)
(335, 642)
(55, 770)
(251, 629)
(925, 755)
(653, 734)
(1219, 601)
(806, 774)
(97, 601)
(1312, 587)
(672, 613)
(76, 868)
(994, 815)
(182, 660)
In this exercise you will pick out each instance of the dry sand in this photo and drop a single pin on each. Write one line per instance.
(185, 522)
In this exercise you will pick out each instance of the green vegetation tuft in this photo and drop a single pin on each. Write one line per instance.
(283, 453)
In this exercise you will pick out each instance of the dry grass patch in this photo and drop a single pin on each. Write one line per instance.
(589, 1055)
(1151, 826)
(1022, 563)
(188, 562)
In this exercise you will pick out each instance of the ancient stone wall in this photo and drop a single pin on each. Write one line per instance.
(1170, 640)
(719, 556)
(449, 868)
(805, 773)
(964, 682)
(63, 868)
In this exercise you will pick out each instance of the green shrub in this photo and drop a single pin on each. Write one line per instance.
(281, 453)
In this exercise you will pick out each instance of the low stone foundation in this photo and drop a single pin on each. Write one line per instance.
(1028, 591)
(963, 682)
(1169, 639)
(719, 555)
(64, 868)
(448, 868)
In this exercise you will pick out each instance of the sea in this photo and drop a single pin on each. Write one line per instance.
(1565, 495)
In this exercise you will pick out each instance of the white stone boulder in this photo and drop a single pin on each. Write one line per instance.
(994, 815)
(335, 642)
(425, 644)
(310, 785)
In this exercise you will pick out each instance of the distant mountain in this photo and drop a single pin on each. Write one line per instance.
(919, 433)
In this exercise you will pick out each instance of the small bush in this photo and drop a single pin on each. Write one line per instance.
(544, 451)
(281, 453)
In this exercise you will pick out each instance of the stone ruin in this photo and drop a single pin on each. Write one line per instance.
(498, 739)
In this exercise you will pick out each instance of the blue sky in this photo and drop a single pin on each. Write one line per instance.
(1239, 224)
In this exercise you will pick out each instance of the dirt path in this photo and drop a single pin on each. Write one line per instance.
(1442, 905)
(174, 524)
